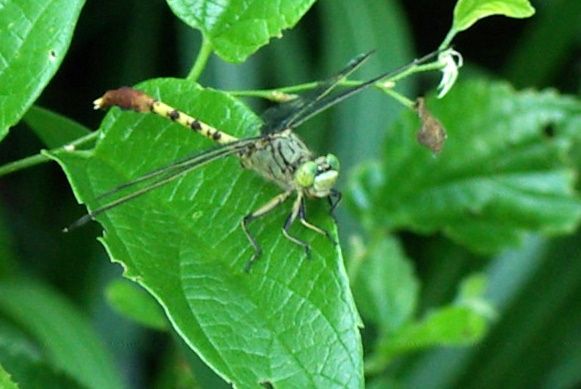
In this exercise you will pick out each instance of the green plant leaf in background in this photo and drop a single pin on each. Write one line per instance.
(7, 257)
(501, 174)
(26, 363)
(237, 28)
(35, 37)
(135, 303)
(468, 12)
(384, 284)
(290, 321)
(65, 337)
(376, 25)
(5, 380)
(464, 322)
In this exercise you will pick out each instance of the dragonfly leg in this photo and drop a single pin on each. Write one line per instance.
(306, 223)
(334, 200)
(290, 220)
(263, 210)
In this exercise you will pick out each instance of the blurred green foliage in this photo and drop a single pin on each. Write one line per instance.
(521, 298)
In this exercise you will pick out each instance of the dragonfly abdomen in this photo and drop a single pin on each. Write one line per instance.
(135, 100)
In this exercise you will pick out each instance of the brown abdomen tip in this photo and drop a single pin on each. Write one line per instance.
(125, 98)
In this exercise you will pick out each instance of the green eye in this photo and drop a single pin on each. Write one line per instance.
(333, 162)
(305, 176)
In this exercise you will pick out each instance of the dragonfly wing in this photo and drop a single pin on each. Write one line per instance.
(275, 119)
(330, 100)
(163, 176)
(325, 99)
(284, 115)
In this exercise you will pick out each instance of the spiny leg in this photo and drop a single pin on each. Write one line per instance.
(138, 101)
(290, 220)
(334, 200)
(306, 223)
(263, 210)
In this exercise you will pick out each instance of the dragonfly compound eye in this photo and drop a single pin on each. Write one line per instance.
(324, 182)
(333, 162)
(306, 173)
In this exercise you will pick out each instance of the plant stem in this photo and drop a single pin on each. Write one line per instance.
(400, 98)
(42, 158)
(278, 94)
(448, 39)
(201, 60)
(284, 93)
(23, 164)
(436, 65)
(271, 94)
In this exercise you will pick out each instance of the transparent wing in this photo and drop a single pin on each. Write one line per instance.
(286, 115)
(163, 176)
(323, 98)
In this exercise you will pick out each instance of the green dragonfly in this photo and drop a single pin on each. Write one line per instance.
(277, 154)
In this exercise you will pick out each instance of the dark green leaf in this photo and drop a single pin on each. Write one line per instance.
(462, 323)
(35, 38)
(26, 363)
(537, 292)
(7, 258)
(53, 129)
(290, 321)
(499, 176)
(132, 301)
(382, 26)
(354, 128)
(66, 337)
(237, 28)
(385, 287)
(468, 12)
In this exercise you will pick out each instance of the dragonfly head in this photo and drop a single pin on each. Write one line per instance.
(318, 177)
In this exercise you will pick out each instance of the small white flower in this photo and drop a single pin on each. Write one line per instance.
(452, 61)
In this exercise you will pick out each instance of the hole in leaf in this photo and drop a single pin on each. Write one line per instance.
(549, 130)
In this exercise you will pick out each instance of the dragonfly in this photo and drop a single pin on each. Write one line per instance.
(277, 154)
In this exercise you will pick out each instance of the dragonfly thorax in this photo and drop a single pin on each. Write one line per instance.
(284, 159)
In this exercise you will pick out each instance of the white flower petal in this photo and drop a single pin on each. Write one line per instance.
(452, 61)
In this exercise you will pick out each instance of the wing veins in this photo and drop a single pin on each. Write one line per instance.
(274, 123)
(163, 176)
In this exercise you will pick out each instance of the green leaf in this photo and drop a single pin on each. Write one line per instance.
(36, 37)
(381, 25)
(463, 323)
(7, 256)
(132, 301)
(53, 129)
(451, 326)
(6, 381)
(498, 177)
(66, 337)
(468, 12)
(384, 285)
(26, 363)
(237, 28)
(541, 312)
(290, 321)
